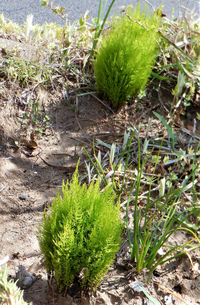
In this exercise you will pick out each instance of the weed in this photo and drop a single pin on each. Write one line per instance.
(24, 71)
(33, 114)
(116, 163)
(159, 217)
(180, 45)
(171, 133)
(100, 25)
(8, 27)
(81, 234)
(153, 225)
(126, 56)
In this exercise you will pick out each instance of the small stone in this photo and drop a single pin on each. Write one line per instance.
(22, 197)
(25, 279)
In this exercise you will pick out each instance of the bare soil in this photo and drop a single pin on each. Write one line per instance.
(28, 184)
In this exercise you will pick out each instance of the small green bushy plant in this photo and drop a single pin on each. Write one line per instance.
(126, 56)
(81, 234)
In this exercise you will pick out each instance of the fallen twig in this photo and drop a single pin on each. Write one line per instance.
(62, 168)
(3, 188)
(102, 103)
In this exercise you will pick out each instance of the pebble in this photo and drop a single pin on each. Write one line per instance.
(25, 279)
(22, 197)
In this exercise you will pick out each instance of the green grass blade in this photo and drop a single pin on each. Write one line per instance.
(100, 28)
(99, 13)
(144, 247)
(154, 301)
(175, 46)
(136, 220)
(169, 129)
(100, 174)
(162, 77)
(127, 225)
(162, 260)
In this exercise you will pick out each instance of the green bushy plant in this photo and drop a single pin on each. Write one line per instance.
(126, 56)
(81, 234)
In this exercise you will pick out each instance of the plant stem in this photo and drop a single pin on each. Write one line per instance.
(100, 27)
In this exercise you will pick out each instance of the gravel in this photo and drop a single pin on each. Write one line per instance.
(17, 10)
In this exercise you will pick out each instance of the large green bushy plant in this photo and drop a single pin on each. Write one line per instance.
(126, 56)
(81, 234)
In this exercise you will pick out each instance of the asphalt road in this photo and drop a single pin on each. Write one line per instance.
(17, 10)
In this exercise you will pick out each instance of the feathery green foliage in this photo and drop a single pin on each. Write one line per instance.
(127, 54)
(81, 234)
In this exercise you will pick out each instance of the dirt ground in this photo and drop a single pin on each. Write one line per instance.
(33, 167)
